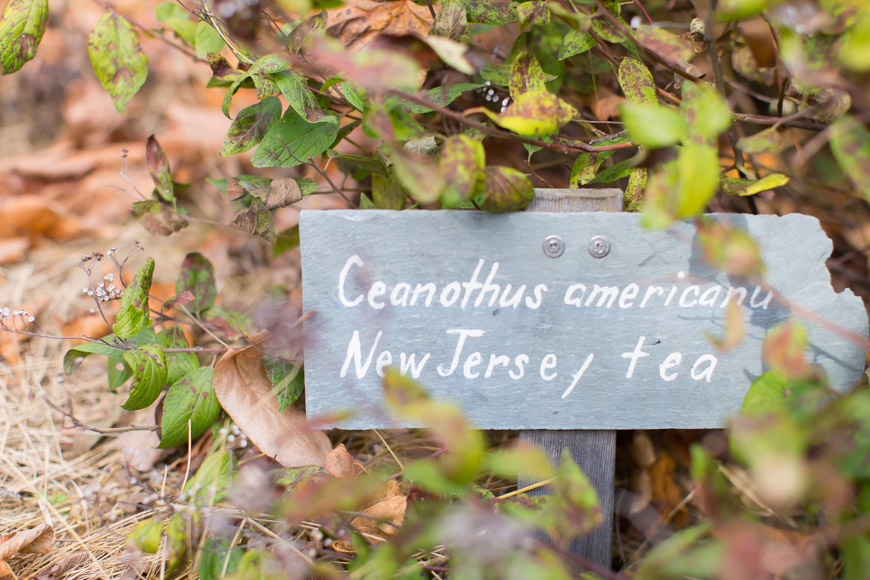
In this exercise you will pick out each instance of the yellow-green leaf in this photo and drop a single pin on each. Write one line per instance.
(117, 58)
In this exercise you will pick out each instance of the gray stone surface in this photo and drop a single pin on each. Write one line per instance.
(446, 247)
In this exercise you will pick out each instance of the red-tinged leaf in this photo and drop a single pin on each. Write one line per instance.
(159, 219)
(181, 299)
(735, 328)
(783, 348)
(669, 47)
(375, 70)
(506, 189)
(250, 125)
(158, 167)
(197, 278)
(730, 250)
(245, 392)
(526, 75)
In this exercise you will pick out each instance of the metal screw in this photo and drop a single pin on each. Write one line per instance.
(599, 247)
(553, 246)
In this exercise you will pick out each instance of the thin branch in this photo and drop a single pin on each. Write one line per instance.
(101, 430)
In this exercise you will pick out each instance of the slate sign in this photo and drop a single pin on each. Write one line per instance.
(530, 320)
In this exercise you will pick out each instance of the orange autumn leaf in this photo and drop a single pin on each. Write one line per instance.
(357, 22)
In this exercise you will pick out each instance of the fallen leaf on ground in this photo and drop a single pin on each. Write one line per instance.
(357, 22)
(38, 540)
(245, 392)
(339, 462)
(34, 215)
(63, 566)
(387, 513)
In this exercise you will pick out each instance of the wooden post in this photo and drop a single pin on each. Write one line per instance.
(594, 451)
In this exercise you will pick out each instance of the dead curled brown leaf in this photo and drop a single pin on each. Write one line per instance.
(38, 540)
(358, 22)
(245, 392)
(386, 514)
(339, 462)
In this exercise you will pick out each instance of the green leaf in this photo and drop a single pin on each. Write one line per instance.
(117, 371)
(653, 125)
(698, 178)
(855, 44)
(496, 12)
(731, 10)
(681, 555)
(441, 96)
(117, 58)
(636, 81)
(148, 364)
(462, 162)
(635, 188)
(292, 85)
(767, 392)
(158, 218)
(575, 499)
(387, 192)
(586, 166)
(146, 536)
(429, 475)
(214, 554)
(355, 96)
(177, 18)
(418, 173)
(74, 356)
(292, 141)
(191, 399)
(158, 167)
(257, 220)
(746, 187)
(134, 313)
(850, 144)
(285, 240)
(211, 483)
(178, 364)
(250, 125)
(576, 42)
(761, 142)
(208, 40)
(705, 110)
(534, 114)
(21, 29)
(506, 189)
(287, 379)
(526, 75)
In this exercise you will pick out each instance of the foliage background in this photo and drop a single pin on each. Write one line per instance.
(61, 143)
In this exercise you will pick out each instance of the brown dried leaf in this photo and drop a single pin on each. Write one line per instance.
(63, 566)
(339, 462)
(245, 392)
(357, 22)
(38, 540)
(284, 191)
(386, 514)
